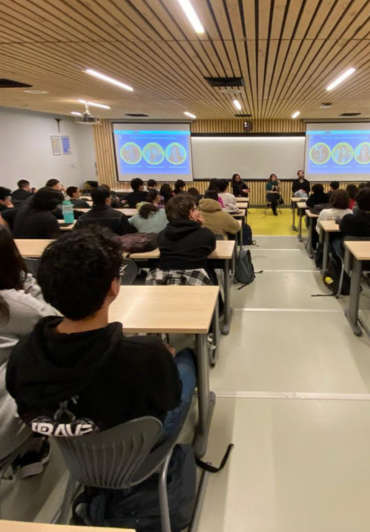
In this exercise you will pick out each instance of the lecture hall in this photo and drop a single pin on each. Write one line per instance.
(184, 265)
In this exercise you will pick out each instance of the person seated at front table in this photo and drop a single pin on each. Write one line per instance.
(35, 220)
(340, 207)
(334, 186)
(301, 186)
(150, 218)
(21, 307)
(273, 192)
(81, 365)
(218, 221)
(74, 194)
(318, 196)
(138, 195)
(184, 245)
(240, 188)
(23, 192)
(228, 199)
(352, 192)
(5, 199)
(104, 215)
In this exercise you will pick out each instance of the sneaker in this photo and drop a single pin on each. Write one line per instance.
(32, 463)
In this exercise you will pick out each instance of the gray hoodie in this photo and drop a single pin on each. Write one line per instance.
(26, 307)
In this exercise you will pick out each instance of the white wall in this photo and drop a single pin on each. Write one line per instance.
(25, 149)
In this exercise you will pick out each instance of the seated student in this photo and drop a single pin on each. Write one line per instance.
(166, 192)
(196, 194)
(82, 359)
(150, 218)
(152, 184)
(179, 187)
(21, 307)
(23, 192)
(334, 186)
(301, 186)
(352, 192)
(340, 207)
(218, 221)
(228, 199)
(318, 196)
(138, 195)
(239, 188)
(104, 215)
(358, 223)
(35, 220)
(184, 245)
(74, 196)
(5, 199)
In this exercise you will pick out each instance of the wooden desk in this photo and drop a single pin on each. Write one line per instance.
(17, 526)
(224, 251)
(127, 212)
(301, 205)
(327, 227)
(175, 309)
(29, 248)
(359, 251)
(310, 218)
(66, 227)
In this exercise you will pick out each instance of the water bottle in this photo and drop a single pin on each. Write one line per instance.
(68, 213)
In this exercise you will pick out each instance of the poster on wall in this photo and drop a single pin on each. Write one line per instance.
(55, 145)
(66, 145)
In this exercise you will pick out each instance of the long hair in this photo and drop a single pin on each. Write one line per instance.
(12, 268)
(149, 209)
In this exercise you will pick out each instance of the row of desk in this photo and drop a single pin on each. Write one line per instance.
(356, 253)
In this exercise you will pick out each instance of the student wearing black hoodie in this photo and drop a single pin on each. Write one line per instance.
(83, 367)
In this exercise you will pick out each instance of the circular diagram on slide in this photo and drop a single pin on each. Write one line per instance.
(153, 153)
(175, 153)
(362, 153)
(320, 153)
(342, 153)
(131, 153)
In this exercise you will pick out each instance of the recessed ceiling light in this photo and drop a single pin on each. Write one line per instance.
(94, 104)
(297, 113)
(192, 16)
(108, 79)
(237, 105)
(190, 115)
(341, 78)
(35, 91)
(76, 113)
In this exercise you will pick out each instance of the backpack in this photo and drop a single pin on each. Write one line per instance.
(139, 242)
(244, 269)
(332, 277)
(138, 507)
(247, 236)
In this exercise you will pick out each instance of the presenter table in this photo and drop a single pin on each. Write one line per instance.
(17, 526)
(327, 227)
(359, 252)
(301, 207)
(176, 310)
(310, 217)
(224, 251)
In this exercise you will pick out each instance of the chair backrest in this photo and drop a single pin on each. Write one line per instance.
(111, 458)
(131, 272)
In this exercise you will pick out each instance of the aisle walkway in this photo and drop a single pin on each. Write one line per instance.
(293, 387)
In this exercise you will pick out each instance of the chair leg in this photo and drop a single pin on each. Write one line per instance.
(163, 498)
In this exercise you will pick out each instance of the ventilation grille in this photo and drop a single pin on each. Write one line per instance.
(350, 114)
(10, 84)
(225, 82)
(137, 115)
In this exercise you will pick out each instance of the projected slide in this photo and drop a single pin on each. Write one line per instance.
(158, 150)
(338, 152)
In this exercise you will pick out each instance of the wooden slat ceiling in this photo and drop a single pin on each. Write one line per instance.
(286, 50)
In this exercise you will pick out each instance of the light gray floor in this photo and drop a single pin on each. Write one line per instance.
(293, 395)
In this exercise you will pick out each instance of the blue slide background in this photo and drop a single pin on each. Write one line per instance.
(163, 138)
(331, 138)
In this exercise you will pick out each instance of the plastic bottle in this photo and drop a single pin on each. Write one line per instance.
(68, 213)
